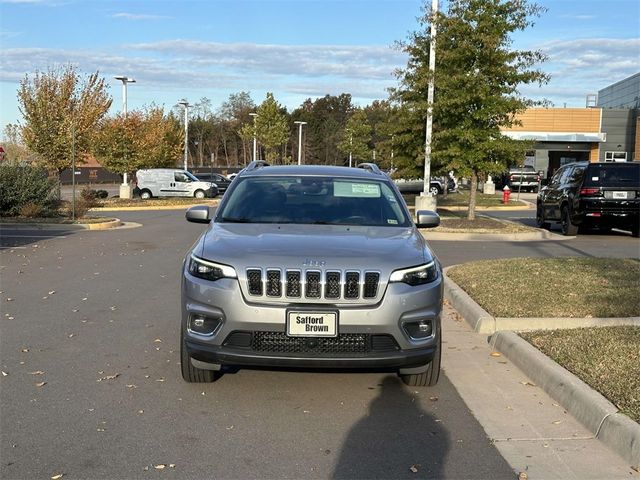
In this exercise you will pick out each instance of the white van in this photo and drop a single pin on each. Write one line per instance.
(172, 182)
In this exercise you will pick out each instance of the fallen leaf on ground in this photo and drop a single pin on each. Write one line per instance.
(523, 476)
(4, 374)
(24, 350)
(157, 340)
(160, 466)
(52, 292)
(414, 468)
(41, 384)
(58, 476)
(108, 377)
(528, 384)
(37, 372)
(132, 386)
(496, 354)
(557, 422)
(433, 399)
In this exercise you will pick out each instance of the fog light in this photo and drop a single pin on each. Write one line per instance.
(203, 325)
(419, 330)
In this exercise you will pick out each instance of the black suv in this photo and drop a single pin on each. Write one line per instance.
(585, 195)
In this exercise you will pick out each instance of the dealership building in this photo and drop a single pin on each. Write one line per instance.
(606, 130)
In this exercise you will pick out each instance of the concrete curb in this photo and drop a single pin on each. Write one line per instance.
(481, 237)
(590, 408)
(214, 203)
(113, 223)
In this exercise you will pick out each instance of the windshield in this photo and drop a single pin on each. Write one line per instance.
(313, 200)
(192, 177)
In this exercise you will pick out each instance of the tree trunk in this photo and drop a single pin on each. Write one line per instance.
(471, 214)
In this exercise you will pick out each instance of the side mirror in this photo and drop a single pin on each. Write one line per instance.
(427, 219)
(198, 214)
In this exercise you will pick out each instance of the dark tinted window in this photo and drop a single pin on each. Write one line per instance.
(313, 200)
(613, 175)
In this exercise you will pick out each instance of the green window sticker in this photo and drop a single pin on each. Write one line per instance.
(357, 190)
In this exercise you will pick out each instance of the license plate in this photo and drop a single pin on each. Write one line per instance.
(621, 195)
(312, 324)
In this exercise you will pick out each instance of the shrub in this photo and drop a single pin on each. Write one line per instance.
(88, 194)
(102, 194)
(22, 185)
(31, 210)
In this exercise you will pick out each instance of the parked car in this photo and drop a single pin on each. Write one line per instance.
(221, 181)
(519, 178)
(171, 182)
(312, 267)
(585, 195)
(436, 185)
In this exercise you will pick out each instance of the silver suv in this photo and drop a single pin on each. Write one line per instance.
(312, 267)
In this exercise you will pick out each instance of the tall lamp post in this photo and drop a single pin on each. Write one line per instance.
(426, 200)
(300, 123)
(350, 145)
(185, 104)
(125, 80)
(255, 143)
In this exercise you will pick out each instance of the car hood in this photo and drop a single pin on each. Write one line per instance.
(313, 246)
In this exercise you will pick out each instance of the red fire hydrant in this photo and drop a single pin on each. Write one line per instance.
(506, 192)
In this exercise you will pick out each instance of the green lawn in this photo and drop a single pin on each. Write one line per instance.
(553, 287)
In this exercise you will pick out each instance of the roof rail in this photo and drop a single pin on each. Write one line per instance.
(256, 164)
(372, 167)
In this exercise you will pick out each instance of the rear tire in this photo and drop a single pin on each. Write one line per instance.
(190, 373)
(430, 376)
(145, 194)
(568, 228)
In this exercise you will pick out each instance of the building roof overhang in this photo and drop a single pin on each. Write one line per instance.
(558, 136)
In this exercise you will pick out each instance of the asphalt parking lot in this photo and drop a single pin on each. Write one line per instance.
(92, 387)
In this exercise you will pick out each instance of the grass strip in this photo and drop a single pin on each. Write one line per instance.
(553, 287)
(605, 358)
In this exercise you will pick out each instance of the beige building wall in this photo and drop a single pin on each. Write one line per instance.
(583, 120)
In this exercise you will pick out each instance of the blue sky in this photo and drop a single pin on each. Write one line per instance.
(296, 49)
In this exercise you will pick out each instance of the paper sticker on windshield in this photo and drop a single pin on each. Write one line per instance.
(595, 179)
(392, 222)
(358, 190)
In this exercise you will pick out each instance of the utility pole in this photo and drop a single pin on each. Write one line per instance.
(300, 124)
(185, 104)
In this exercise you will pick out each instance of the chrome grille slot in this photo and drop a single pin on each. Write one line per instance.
(274, 287)
(313, 285)
(371, 280)
(352, 285)
(332, 285)
(293, 288)
(254, 278)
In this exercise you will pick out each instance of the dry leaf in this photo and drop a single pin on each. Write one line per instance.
(24, 350)
(157, 340)
(414, 467)
(433, 399)
(108, 377)
(160, 466)
(37, 372)
(496, 354)
(52, 292)
(41, 384)
(58, 476)
(132, 386)
(557, 422)
(528, 384)
(172, 465)
(523, 476)
(4, 374)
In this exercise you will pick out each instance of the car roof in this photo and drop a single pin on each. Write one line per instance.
(313, 170)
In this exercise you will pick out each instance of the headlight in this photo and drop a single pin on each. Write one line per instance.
(416, 275)
(208, 270)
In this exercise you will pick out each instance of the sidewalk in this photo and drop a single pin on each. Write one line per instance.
(532, 431)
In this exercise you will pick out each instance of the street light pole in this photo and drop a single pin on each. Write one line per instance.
(300, 123)
(255, 143)
(430, 90)
(125, 80)
(350, 146)
(185, 104)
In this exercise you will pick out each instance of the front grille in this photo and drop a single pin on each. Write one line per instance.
(313, 284)
(343, 344)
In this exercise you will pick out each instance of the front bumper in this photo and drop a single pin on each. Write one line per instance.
(400, 304)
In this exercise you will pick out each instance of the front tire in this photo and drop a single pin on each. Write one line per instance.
(568, 227)
(190, 373)
(429, 377)
(199, 194)
(540, 220)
